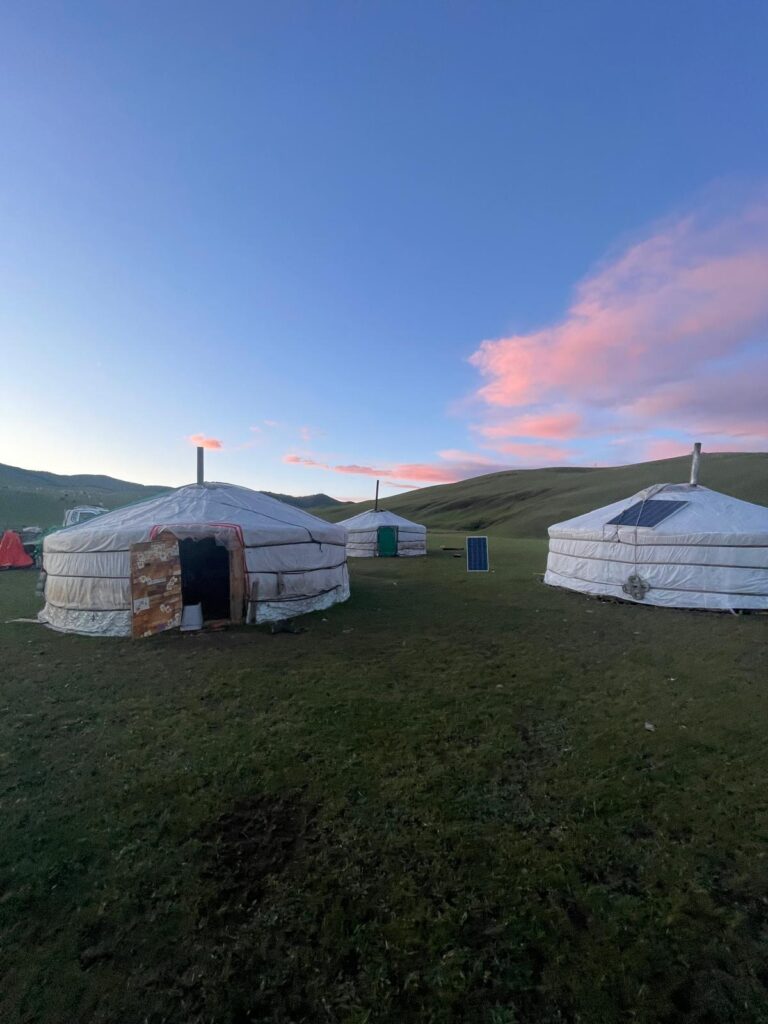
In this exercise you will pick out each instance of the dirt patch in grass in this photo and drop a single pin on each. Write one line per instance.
(255, 840)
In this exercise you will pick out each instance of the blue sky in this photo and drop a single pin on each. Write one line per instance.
(421, 240)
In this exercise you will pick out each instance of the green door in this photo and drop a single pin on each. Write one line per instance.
(387, 541)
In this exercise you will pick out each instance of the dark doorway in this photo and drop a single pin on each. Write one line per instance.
(205, 576)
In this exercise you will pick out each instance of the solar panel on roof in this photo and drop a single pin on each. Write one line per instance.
(477, 554)
(646, 513)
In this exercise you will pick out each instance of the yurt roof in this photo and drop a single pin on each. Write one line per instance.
(703, 516)
(372, 519)
(259, 517)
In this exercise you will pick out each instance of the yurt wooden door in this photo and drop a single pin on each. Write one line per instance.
(155, 585)
(387, 541)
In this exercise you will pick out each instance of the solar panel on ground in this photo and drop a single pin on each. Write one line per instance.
(646, 513)
(477, 554)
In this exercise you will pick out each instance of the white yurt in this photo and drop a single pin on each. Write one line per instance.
(380, 534)
(674, 545)
(231, 553)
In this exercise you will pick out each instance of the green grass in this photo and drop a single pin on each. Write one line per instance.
(524, 502)
(439, 803)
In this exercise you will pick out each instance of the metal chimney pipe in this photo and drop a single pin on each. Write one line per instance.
(201, 465)
(695, 463)
(376, 502)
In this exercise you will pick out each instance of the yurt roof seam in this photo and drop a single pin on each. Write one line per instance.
(265, 515)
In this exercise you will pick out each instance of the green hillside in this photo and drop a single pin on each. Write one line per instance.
(310, 501)
(524, 502)
(36, 498)
(521, 502)
(31, 497)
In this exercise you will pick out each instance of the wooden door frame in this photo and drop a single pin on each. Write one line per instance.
(238, 573)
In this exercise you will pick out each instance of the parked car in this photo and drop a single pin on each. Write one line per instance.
(82, 513)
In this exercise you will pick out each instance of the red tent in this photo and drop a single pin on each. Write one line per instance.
(12, 553)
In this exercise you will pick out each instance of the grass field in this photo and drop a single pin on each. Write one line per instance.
(439, 803)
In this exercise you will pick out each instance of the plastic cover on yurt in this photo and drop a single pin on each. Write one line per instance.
(709, 551)
(293, 562)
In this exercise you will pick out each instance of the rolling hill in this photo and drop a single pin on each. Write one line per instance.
(521, 502)
(312, 502)
(31, 497)
(524, 502)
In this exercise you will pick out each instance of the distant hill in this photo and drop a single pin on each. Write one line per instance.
(310, 501)
(521, 502)
(524, 502)
(30, 497)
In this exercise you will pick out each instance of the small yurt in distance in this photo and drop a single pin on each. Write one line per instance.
(380, 534)
(238, 553)
(673, 545)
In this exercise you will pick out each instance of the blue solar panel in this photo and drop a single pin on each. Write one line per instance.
(646, 513)
(477, 554)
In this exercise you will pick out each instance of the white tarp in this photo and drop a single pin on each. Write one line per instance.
(711, 553)
(297, 560)
(363, 533)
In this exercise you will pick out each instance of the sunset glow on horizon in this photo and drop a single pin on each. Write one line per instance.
(332, 246)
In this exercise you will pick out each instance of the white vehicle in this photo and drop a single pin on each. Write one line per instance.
(82, 513)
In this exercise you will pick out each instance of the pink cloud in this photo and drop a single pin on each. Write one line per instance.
(654, 329)
(556, 425)
(424, 472)
(201, 441)
(723, 401)
(453, 465)
(303, 460)
(362, 470)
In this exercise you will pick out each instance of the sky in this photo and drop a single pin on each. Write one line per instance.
(415, 241)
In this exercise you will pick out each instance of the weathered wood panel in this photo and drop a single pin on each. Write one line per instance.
(237, 583)
(156, 585)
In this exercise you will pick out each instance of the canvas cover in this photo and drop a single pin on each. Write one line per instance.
(363, 533)
(12, 553)
(293, 561)
(712, 553)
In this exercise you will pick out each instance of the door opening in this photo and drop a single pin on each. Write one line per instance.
(387, 541)
(205, 576)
